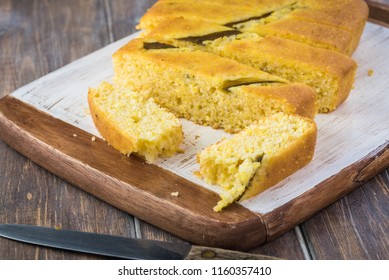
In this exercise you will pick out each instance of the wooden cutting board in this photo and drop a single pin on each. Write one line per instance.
(48, 121)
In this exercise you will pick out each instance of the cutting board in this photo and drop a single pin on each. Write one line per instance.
(48, 121)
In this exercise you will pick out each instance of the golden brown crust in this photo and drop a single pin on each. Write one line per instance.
(334, 24)
(214, 67)
(277, 167)
(348, 15)
(301, 97)
(112, 134)
(310, 33)
(288, 53)
(221, 12)
(288, 50)
(180, 27)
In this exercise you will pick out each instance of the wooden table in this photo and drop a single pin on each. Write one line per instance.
(37, 37)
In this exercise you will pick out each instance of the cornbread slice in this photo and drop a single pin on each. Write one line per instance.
(131, 123)
(206, 88)
(258, 157)
(330, 73)
(311, 33)
(222, 12)
(349, 15)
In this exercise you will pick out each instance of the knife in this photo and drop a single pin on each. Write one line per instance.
(117, 246)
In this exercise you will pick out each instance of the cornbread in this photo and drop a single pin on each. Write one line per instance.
(132, 123)
(206, 88)
(330, 73)
(335, 25)
(258, 157)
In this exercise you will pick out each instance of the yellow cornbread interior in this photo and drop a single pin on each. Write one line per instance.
(132, 123)
(234, 162)
(208, 94)
(331, 74)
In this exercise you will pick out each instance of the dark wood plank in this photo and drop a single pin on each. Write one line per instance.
(299, 209)
(125, 15)
(31, 195)
(379, 11)
(287, 246)
(355, 227)
(148, 231)
(37, 37)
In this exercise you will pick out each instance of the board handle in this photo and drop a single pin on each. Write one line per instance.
(208, 253)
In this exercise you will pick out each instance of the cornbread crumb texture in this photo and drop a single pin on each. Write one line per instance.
(258, 157)
(330, 73)
(133, 123)
(221, 93)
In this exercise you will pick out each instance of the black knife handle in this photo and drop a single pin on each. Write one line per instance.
(207, 253)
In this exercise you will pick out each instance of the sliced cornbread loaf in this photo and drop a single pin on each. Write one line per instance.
(330, 73)
(206, 88)
(335, 25)
(131, 123)
(258, 157)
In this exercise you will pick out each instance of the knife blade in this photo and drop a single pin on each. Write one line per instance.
(117, 246)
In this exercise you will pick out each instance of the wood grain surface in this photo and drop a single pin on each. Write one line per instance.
(37, 37)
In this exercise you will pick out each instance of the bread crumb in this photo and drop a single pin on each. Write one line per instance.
(74, 135)
(175, 194)
(370, 72)
(93, 138)
(197, 174)
(57, 227)
(197, 137)
(29, 196)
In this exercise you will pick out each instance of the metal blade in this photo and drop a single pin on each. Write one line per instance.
(101, 244)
